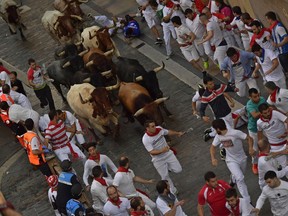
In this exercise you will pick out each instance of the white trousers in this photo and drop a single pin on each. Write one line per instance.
(220, 54)
(255, 146)
(238, 40)
(237, 170)
(201, 50)
(168, 30)
(63, 153)
(164, 165)
(242, 86)
(246, 42)
(78, 136)
(281, 83)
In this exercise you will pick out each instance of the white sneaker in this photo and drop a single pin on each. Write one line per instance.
(169, 56)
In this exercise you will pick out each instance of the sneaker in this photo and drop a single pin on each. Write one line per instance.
(206, 65)
(255, 169)
(207, 137)
(207, 130)
(169, 56)
(222, 153)
(158, 41)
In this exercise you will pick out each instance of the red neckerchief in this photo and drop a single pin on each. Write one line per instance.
(154, 134)
(95, 158)
(139, 213)
(258, 36)
(101, 181)
(273, 95)
(236, 209)
(170, 4)
(273, 25)
(266, 120)
(4, 69)
(122, 169)
(116, 203)
(262, 154)
(194, 16)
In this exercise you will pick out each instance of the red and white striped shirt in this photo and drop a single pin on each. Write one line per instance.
(56, 133)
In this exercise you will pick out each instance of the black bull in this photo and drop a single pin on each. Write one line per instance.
(130, 70)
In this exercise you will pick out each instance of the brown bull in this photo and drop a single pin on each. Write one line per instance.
(69, 7)
(93, 106)
(137, 102)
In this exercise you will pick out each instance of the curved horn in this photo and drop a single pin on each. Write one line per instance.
(66, 6)
(77, 17)
(56, 25)
(81, 99)
(87, 80)
(67, 64)
(61, 53)
(139, 112)
(105, 73)
(78, 43)
(89, 63)
(83, 53)
(90, 36)
(116, 86)
(157, 69)
(139, 78)
(109, 52)
(161, 100)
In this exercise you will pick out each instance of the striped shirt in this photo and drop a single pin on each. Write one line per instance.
(56, 133)
(279, 33)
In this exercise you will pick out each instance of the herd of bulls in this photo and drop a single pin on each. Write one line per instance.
(90, 66)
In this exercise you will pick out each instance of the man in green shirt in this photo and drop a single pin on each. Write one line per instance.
(253, 116)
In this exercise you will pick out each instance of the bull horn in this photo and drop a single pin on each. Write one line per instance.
(83, 53)
(56, 25)
(89, 63)
(116, 86)
(105, 73)
(109, 52)
(139, 78)
(78, 43)
(157, 69)
(81, 99)
(87, 80)
(66, 6)
(161, 100)
(67, 64)
(90, 36)
(77, 17)
(83, 1)
(139, 112)
(61, 53)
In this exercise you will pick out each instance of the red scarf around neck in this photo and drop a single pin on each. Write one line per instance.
(271, 27)
(122, 169)
(101, 181)
(170, 4)
(95, 158)
(139, 213)
(236, 209)
(153, 134)
(116, 203)
(273, 95)
(266, 120)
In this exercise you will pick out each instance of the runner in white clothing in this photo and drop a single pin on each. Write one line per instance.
(267, 60)
(238, 206)
(52, 192)
(97, 159)
(265, 163)
(273, 125)
(276, 191)
(236, 159)
(4, 78)
(278, 97)
(124, 181)
(163, 158)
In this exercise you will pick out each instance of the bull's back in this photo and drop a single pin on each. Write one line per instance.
(86, 57)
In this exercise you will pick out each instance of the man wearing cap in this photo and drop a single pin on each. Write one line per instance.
(116, 205)
(52, 192)
(97, 159)
(124, 181)
(65, 182)
(74, 207)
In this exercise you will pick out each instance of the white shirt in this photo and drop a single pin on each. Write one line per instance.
(217, 33)
(266, 64)
(20, 99)
(183, 34)
(113, 210)
(185, 4)
(148, 8)
(124, 183)
(163, 207)
(167, 11)
(273, 127)
(44, 122)
(4, 77)
(244, 207)
(281, 102)
(18, 113)
(240, 25)
(52, 199)
(278, 198)
(196, 27)
(156, 142)
(232, 142)
(196, 97)
(104, 162)
(266, 44)
(99, 194)
(264, 166)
